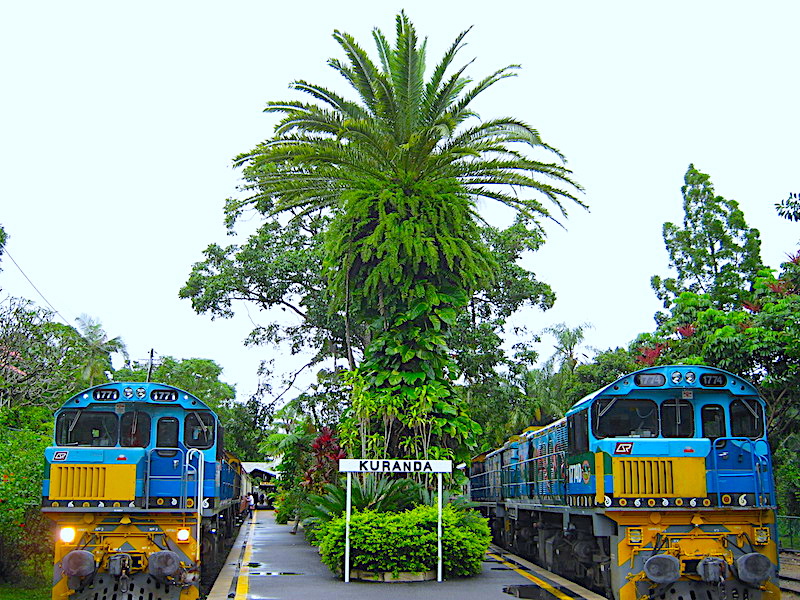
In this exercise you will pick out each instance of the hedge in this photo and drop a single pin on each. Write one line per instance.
(406, 541)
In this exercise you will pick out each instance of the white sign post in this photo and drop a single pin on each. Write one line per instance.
(392, 465)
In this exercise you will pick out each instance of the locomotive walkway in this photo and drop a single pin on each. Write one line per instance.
(267, 562)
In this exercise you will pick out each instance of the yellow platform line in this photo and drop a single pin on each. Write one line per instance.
(243, 582)
(526, 575)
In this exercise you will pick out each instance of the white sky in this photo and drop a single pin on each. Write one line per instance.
(118, 123)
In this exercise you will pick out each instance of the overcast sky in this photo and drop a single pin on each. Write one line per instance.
(118, 123)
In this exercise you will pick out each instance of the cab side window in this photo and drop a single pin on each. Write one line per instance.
(578, 433)
(198, 429)
(713, 421)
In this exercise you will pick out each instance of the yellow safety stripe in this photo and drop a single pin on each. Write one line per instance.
(540, 582)
(243, 583)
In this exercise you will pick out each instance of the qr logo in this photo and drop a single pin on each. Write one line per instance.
(623, 448)
(60, 455)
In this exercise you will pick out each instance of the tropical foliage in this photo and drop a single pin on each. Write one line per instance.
(97, 364)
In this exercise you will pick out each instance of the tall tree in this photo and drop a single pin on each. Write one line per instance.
(714, 253)
(400, 171)
(99, 349)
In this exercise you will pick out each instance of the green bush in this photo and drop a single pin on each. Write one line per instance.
(406, 541)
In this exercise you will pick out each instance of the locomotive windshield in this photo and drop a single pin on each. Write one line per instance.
(713, 421)
(677, 419)
(625, 417)
(86, 428)
(135, 430)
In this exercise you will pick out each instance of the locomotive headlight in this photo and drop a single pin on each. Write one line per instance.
(140, 392)
(676, 377)
(690, 377)
(128, 392)
(183, 535)
(762, 535)
(67, 535)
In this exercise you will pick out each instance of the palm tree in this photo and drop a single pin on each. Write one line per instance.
(403, 130)
(566, 346)
(400, 171)
(99, 349)
(406, 135)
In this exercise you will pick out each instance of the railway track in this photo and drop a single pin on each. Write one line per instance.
(790, 584)
(790, 575)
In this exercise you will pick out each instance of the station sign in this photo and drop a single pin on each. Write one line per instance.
(394, 465)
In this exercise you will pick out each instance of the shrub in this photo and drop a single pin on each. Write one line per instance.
(406, 541)
(380, 494)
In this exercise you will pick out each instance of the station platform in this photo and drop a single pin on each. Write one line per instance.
(267, 562)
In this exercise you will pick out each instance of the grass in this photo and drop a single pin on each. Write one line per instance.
(36, 581)
(14, 592)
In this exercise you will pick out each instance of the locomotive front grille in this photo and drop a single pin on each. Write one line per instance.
(649, 477)
(664, 477)
(92, 482)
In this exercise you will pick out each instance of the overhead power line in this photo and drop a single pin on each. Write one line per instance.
(8, 254)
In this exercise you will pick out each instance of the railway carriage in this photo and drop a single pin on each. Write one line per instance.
(142, 492)
(659, 485)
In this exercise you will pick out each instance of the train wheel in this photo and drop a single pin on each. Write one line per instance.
(209, 551)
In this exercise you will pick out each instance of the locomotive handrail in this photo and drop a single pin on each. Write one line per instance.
(149, 476)
(756, 462)
(199, 478)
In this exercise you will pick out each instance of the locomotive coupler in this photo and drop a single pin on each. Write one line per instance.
(119, 566)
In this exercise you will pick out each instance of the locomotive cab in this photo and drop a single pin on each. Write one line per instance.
(141, 490)
(659, 485)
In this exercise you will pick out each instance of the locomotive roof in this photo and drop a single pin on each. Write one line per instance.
(630, 383)
(157, 394)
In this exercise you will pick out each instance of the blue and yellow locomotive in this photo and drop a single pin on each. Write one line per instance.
(142, 493)
(659, 485)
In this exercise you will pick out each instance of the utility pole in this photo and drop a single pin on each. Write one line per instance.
(150, 366)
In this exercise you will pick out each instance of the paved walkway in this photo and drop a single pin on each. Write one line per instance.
(267, 562)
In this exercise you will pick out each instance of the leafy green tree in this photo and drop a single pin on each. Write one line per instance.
(25, 535)
(198, 376)
(399, 172)
(604, 368)
(279, 267)
(99, 349)
(790, 207)
(289, 437)
(714, 253)
(40, 360)
(760, 341)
